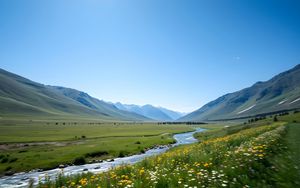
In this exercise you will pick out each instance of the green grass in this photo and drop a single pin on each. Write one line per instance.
(218, 162)
(293, 143)
(220, 130)
(213, 126)
(292, 117)
(287, 163)
(50, 145)
(44, 131)
(260, 154)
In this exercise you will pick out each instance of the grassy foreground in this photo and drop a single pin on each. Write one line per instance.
(50, 144)
(246, 156)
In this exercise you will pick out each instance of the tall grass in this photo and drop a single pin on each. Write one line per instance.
(236, 160)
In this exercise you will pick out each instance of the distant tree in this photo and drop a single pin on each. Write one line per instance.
(275, 118)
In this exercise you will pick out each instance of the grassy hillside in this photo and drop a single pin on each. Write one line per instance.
(280, 93)
(20, 97)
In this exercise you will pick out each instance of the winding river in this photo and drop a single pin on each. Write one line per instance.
(22, 179)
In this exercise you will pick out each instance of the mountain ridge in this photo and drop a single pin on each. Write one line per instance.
(150, 111)
(275, 94)
(22, 97)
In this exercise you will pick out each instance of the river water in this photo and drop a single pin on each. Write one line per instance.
(22, 179)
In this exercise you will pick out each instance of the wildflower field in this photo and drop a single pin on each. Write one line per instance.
(245, 158)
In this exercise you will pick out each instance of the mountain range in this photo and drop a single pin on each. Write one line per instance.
(152, 112)
(282, 92)
(21, 97)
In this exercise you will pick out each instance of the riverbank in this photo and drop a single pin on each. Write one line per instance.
(243, 156)
(50, 145)
(22, 180)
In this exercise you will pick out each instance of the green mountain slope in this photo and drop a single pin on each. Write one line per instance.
(20, 97)
(96, 104)
(282, 92)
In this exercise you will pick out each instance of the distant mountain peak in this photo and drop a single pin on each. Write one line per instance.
(150, 111)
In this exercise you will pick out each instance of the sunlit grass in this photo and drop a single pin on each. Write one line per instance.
(51, 144)
(235, 160)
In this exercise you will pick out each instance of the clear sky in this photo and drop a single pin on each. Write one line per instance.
(179, 54)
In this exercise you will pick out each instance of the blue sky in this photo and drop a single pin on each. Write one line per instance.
(172, 53)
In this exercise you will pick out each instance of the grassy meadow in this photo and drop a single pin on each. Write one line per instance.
(264, 153)
(50, 144)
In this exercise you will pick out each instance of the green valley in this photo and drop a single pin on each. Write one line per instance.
(50, 144)
(260, 154)
(150, 94)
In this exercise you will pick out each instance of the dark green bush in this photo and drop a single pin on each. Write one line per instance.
(79, 161)
(4, 160)
(8, 168)
(96, 154)
(13, 160)
(137, 142)
(122, 154)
